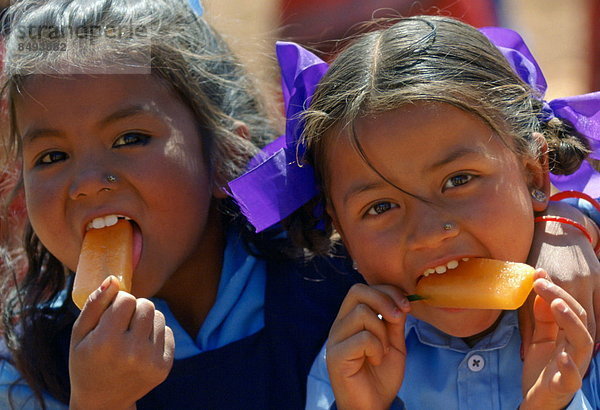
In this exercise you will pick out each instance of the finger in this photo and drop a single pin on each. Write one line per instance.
(526, 323)
(94, 307)
(397, 296)
(541, 274)
(349, 355)
(546, 328)
(169, 347)
(577, 341)
(362, 317)
(380, 299)
(159, 329)
(163, 340)
(142, 322)
(119, 314)
(526, 313)
(549, 291)
(568, 378)
(395, 332)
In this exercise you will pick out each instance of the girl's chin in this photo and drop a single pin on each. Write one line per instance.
(461, 322)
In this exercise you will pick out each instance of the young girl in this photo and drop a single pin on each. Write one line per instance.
(430, 150)
(137, 109)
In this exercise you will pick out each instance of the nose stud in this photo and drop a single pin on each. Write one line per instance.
(111, 179)
(448, 226)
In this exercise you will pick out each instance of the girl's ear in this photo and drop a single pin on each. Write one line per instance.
(241, 129)
(334, 220)
(539, 174)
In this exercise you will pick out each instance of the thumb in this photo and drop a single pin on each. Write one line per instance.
(527, 323)
(93, 309)
(546, 329)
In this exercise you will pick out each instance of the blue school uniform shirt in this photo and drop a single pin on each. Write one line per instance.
(237, 313)
(442, 372)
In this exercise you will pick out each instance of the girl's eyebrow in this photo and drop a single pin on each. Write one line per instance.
(457, 154)
(126, 112)
(360, 187)
(36, 133)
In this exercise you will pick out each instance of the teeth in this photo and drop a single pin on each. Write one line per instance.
(104, 221)
(453, 264)
(428, 272)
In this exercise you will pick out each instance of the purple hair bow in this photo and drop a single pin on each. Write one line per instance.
(582, 111)
(275, 185)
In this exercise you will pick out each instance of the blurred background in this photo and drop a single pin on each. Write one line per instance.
(564, 36)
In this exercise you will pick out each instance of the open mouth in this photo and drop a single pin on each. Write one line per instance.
(110, 220)
(441, 269)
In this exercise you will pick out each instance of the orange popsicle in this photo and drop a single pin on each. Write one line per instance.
(106, 251)
(479, 284)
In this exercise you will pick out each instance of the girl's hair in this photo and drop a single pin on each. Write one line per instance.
(159, 37)
(424, 58)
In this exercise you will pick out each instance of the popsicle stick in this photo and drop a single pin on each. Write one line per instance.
(414, 298)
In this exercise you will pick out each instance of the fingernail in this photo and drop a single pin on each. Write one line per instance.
(564, 358)
(105, 283)
(546, 284)
(404, 304)
(396, 312)
(94, 295)
(562, 306)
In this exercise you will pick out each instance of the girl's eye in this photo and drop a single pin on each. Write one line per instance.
(381, 207)
(51, 157)
(458, 180)
(131, 138)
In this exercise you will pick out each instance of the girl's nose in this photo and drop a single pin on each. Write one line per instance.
(431, 229)
(92, 182)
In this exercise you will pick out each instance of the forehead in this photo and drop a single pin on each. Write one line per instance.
(91, 93)
(411, 137)
(77, 98)
(420, 127)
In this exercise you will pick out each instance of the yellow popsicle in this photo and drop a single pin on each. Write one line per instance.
(106, 251)
(479, 284)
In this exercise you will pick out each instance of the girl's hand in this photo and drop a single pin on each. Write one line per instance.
(366, 355)
(560, 349)
(120, 350)
(567, 255)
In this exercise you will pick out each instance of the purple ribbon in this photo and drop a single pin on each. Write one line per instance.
(275, 185)
(581, 111)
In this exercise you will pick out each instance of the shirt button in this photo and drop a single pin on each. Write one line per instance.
(476, 363)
